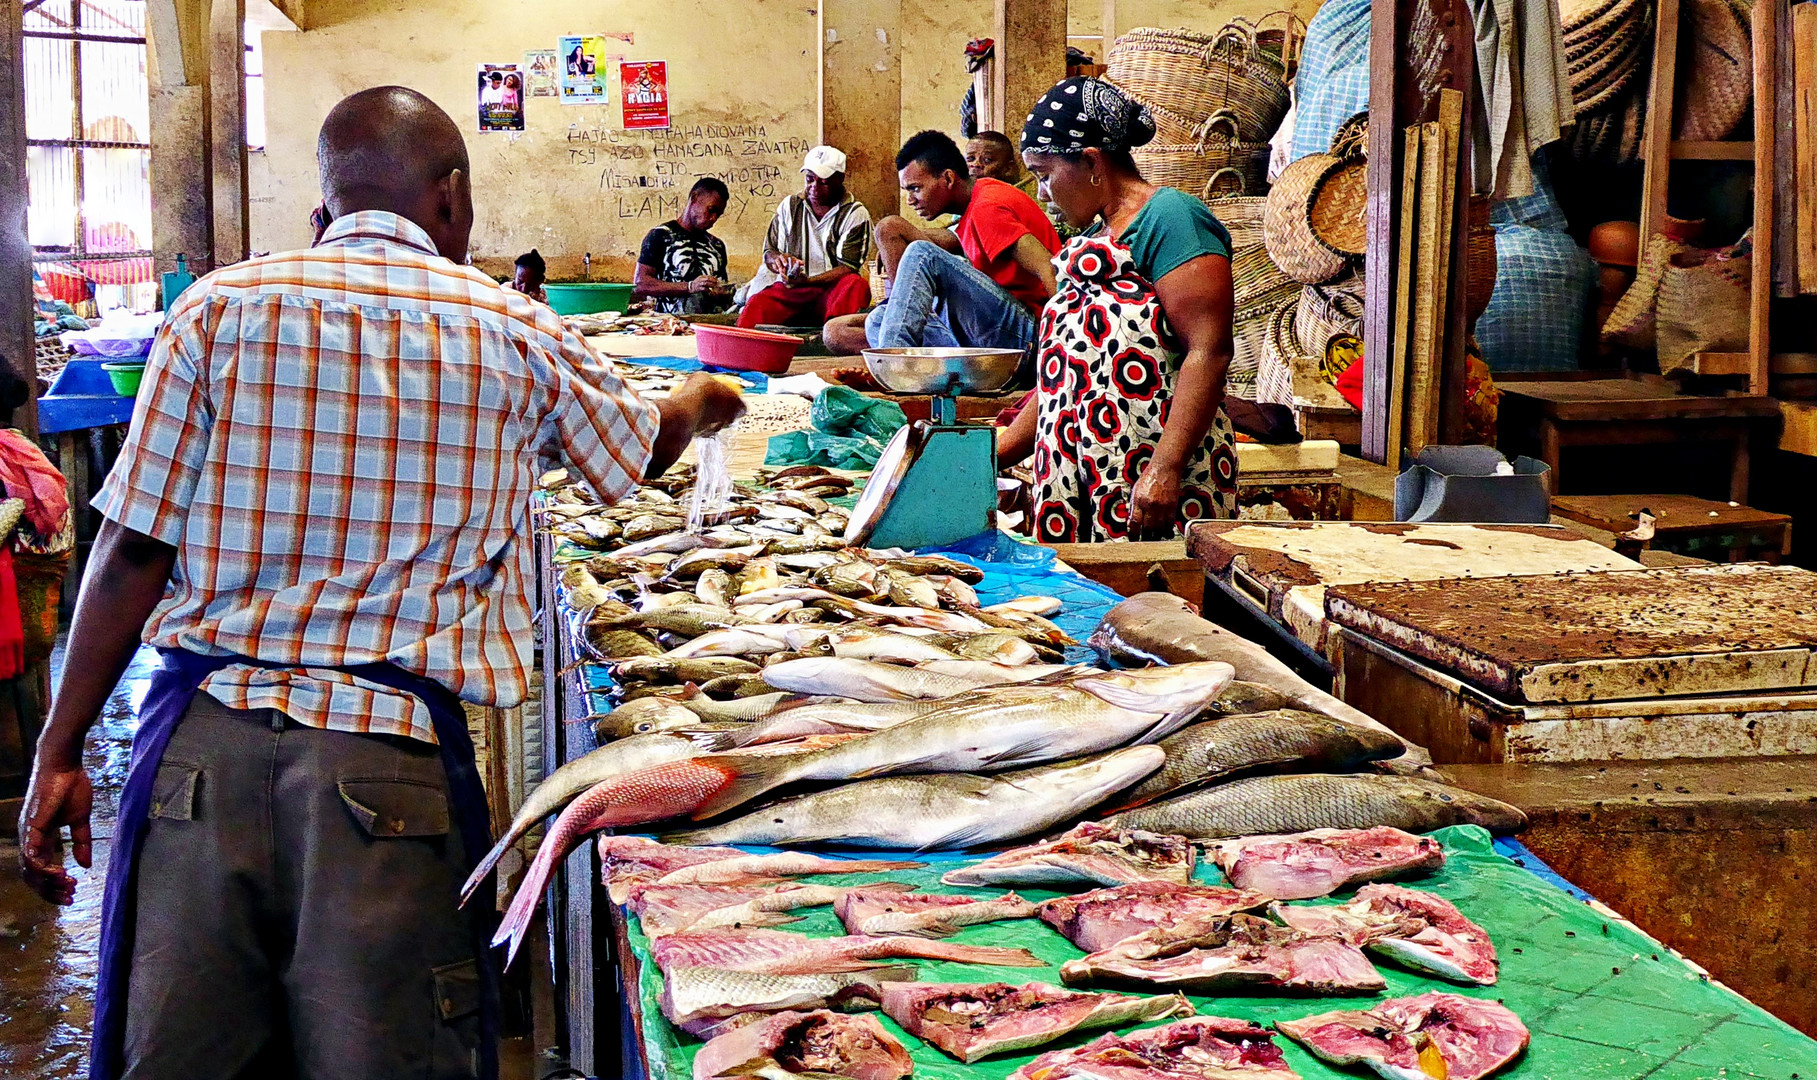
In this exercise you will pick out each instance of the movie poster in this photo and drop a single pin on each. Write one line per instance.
(501, 97)
(542, 73)
(644, 87)
(583, 66)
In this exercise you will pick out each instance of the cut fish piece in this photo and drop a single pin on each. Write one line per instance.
(668, 909)
(1470, 1037)
(1422, 931)
(1099, 919)
(974, 1021)
(1300, 866)
(1225, 953)
(1089, 853)
(633, 860)
(1199, 1048)
(697, 999)
(817, 1044)
(879, 912)
(783, 953)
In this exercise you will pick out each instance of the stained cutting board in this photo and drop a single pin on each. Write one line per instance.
(1286, 567)
(1608, 636)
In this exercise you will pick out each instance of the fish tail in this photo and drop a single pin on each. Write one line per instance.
(750, 778)
(486, 864)
(967, 954)
(515, 924)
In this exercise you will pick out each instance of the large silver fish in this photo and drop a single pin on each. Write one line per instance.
(938, 812)
(1285, 740)
(865, 680)
(1005, 728)
(1291, 804)
(1160, 628)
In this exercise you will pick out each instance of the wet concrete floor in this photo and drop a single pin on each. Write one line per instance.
(48, 954)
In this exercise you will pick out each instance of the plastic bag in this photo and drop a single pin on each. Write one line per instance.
(848, 431)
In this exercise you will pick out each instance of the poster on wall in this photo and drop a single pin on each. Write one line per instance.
(501, 97)
(644, 88)
(583, 69)
(542, 72)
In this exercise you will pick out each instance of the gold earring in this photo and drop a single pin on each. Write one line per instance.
(1094, 179)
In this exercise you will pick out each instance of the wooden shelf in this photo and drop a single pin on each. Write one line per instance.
(1741, 150)
(1740, 363)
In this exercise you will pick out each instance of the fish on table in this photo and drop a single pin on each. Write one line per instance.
(1281, 740)
(703, 1000)
(877, 912)
(1105, 917)
(669, 909)
(1228, 954)
(973, 1021)
(818, 1044)
(1414, 928)
(938, 811)
(1415, 1038)
(1089, 853)
(1200, 1046)
(1297, 803)
(780, 952)
(1322, 861)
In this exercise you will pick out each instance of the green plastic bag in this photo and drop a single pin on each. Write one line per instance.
(849, 431)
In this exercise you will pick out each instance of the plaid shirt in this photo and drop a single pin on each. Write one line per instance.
(342, 444)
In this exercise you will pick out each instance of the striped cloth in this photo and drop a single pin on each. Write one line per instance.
(342, 444)
(1333, 81)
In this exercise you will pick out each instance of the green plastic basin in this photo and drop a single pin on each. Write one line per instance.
(587, 297)
(125, 377)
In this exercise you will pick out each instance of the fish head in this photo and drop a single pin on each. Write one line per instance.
(1180, 690)
(1491, 814)
(645, 716)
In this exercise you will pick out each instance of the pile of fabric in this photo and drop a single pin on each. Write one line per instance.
(1543, 285)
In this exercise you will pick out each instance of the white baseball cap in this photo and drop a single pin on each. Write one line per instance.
(824, 161)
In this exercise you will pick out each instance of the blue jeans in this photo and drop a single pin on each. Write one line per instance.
(939, 299)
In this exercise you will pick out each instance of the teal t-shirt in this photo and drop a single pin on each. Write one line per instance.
(1171, 229)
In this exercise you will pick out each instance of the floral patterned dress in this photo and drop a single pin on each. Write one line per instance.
(1106, 369)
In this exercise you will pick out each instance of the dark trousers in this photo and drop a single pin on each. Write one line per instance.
(295, 913)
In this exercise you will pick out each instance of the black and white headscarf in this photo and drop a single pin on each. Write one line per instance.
(1081, 113)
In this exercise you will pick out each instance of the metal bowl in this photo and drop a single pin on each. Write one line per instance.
(942, 371)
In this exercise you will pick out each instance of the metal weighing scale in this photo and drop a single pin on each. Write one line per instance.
(936, 482)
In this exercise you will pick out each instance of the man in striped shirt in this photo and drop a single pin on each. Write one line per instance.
(814, 255)
(321, 519)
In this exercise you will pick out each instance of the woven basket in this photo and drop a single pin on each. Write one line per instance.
(1251, 80)
(1216, 154)
(1287, 224)
(1703, 304)
(1328, 311)
(1633, 320)
(1170, 72)
(1719, 87)
(1241, 215)
(1274, 372)
(1479, 248)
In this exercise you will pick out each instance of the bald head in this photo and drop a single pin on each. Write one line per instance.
(390, 148)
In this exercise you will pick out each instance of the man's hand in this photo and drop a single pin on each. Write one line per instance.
(59, 796)
(703, 284)
(701, 405)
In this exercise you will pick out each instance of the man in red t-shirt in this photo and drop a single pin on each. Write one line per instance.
(980, 285)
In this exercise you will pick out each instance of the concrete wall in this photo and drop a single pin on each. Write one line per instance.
(1086, 17)
(744, 98)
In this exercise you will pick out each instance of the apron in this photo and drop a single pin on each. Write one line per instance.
(172, 687)
(1105, 378)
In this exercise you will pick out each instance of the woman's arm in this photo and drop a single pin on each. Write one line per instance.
(1200, 306)
(1017, 441)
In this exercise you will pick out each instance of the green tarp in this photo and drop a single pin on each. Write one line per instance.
(1603, 1000)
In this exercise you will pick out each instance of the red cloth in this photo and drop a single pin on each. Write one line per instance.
(29, 475)
(1350, 383)
(12, 630)
(806, 305)
(996, 218)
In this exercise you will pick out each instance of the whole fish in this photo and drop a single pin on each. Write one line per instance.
(1032, 605)
(938, 812)
(839, 716)
(1246, 697)
(634, 798)
(644, 716)
(669, 909)
(865, 680)
(937, 564)
(1286, 740)
(623, 756)
(783, 953)
(985, 673)
(1006, 727)
(714, 587)
(744, 708)
(697, 998)
(654, 669)
(1291, 804)
(742, 869)
(1161, 628)
(687, 619)
(737, 686)
(992, 647)
(756, 640)
(884, 646)
(611, 643)
(971, 1022)
(952, 592)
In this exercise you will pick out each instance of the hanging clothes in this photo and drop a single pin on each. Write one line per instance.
(1524, 87)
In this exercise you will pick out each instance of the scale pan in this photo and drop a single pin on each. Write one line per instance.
(942, 371)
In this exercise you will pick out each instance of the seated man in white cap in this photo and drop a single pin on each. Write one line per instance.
(814, 256)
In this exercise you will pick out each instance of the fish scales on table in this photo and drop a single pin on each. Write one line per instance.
(972, 1022)
(876, 912)
(1322, 861)
(818, 1045)
(1089, 853)
(1298, 803)
(1106, 917)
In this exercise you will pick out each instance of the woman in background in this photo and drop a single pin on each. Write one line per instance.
(1128, 430)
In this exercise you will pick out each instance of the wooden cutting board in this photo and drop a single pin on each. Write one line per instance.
(1286, 567)
(1603, 636)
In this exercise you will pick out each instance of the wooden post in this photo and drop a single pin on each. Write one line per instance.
(1661, 121)
(1109, 29)
(182, 221)
(1767, 15)
(16, 341)
(227, 128)
(1031, 56)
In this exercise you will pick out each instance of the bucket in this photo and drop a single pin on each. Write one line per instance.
(587, 297)
(125, 377)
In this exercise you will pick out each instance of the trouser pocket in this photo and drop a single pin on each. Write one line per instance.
(173, 791)
(457, 1010)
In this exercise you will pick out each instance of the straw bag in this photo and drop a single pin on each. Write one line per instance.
(1315, 220)
(1184, 76)
(1632, 321)
(1275, 372)
(1217, 160)
(1241, 215)
(1703, 303)
(1251, 80)
(1329, 311)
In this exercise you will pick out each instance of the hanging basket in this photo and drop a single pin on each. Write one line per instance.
(1329, 311)
(1719, 87)
(1184, 77)
(1315, 219)
(1251, 80)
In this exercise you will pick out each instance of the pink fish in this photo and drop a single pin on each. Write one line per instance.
(1089, 852)
(1471, 1037)
(1101, 918)
(1418, 929)
(1225, 952)
(874, 911)
(974, 1021)
(782, 953)
(820, 1043)
(1199, 1047)
(1320, 862)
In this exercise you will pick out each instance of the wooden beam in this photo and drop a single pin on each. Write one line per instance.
(1739, 150)
(227, 129)
(1766, 132)
(1661, 120)
(1379, 331)
(1108, 27)
(17, 344)
(1799, 435)
(1031, 56)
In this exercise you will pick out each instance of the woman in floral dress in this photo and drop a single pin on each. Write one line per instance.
(1128, 430)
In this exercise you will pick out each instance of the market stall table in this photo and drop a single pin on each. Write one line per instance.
(1701, 528)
